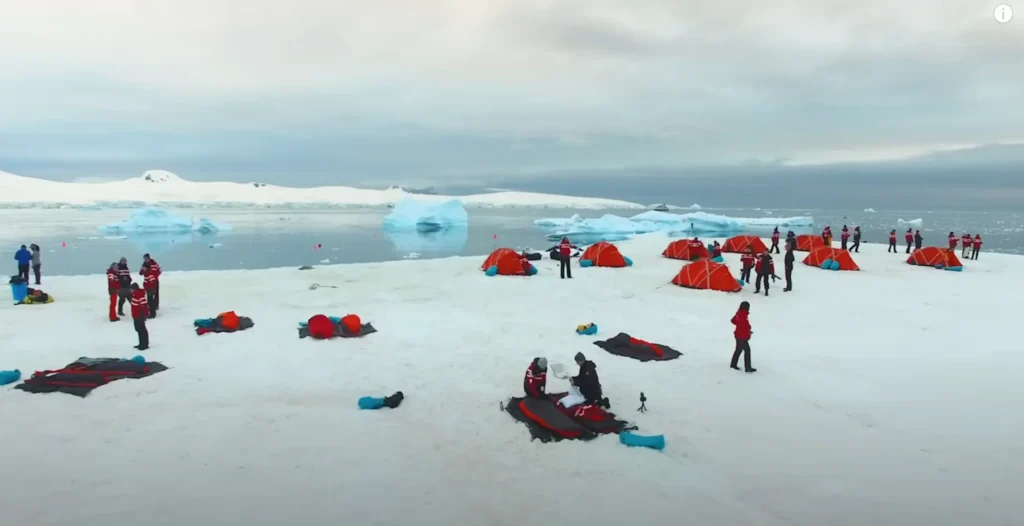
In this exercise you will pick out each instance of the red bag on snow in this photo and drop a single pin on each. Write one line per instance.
(352, 323)
(320, 327)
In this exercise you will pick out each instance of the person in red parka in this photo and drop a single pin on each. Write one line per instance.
(151, 275)
(765, 268)
(844, 237)
(747, 260)
(892, 241)
(716, 250)
(536, 379)
(976, 246)
(140, 311)
(775, 241)
(965, 241)
(742, 335)
(952, 241)
(565, 247)
(909, 236)
(113, 290)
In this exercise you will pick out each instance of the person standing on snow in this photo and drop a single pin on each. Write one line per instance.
(747, 260)
(788, 261)
(826, 236)
(24, 259)
(588, 383)
(124, 278)
(952, 241)
(775, 241)
(910, 238)
(976, 246)
(742, 333)
(856, 240)
(791, 239)
(151, 275)
(892, 242)
(37, 263)
(716, 250)
(113, 290)
(536, 379)
(917, 240)
(965, 240)
(140, 311)
(564, 249)
(765, 268)
(844, 237)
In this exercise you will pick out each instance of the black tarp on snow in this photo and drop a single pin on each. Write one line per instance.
(244, 323)
(341, 332)
(630, 347)
(549, 422)
(80, 377)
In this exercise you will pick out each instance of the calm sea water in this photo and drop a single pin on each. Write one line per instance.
(72, 244)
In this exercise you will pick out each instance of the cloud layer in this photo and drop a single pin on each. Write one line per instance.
(469, 86)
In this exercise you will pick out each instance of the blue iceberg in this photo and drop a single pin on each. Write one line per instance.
(611, 227)
(151, 220)
(410, 214)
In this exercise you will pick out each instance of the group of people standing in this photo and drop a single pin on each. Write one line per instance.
(971, 245)
(29, 259)
(144, 301)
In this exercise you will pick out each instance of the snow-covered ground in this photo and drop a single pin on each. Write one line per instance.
(162, 187)
(886, 396)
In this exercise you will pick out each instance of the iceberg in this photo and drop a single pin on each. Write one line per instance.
(869, 210)
(911, 222)
(694, 206)
(410, 214)
(151, 220)
(609, 226)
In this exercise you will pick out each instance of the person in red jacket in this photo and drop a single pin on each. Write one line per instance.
(150, 284)
(140, 311)
(765, 268)
(747, 260)
(151, 275)
(909, 236)
(113, 290)
(565, 247)
(742, 335)
(892, 242)
(826, 236)
(965, 241)
(844, 237)
(952, 241)
(976, 246)
(716, 250)
(775, 241)
(536, 379)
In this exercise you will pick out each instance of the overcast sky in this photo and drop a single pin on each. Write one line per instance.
(356, 91)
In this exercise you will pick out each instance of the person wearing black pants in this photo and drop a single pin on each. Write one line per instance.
(765, 268)
(742, 335)
(910, 239)
(140, 311)
(918, 239)
(892, 242)
(788, 261)
(124, 277)
(856, 240)
(565, 248)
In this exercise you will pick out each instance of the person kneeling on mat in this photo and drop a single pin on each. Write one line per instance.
(536, 379)
(588, 383)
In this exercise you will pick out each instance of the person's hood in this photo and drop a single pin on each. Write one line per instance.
(565, 240)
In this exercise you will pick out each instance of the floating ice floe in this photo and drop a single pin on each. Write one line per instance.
(611, 227)
(869, 210)
(911, 222)
(151, 220)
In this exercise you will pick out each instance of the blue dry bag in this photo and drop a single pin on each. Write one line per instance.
(629, 262)
(825, 265)
(834, 265)
(653, 442)
(586, 263)
(369, 402)
(492, 270)
(9, 377)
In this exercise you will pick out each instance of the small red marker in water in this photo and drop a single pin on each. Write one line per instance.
(63, 245)
(495, 236)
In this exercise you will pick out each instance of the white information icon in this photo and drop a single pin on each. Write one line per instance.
(1003, 13)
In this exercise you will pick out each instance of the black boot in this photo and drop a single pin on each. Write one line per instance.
(734, 367)
(394, 400)
(751, 370)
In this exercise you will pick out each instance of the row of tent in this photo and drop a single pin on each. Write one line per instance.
(704, 273)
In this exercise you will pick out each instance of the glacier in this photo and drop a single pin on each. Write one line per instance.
(422, 216)
(612, 227)
(152, 220)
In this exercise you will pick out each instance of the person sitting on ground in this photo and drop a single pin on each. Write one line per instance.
(588, 383)
(536, 379)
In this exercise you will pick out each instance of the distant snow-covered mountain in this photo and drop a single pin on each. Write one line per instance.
(160, 187)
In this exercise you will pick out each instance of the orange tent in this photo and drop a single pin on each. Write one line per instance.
(708, 275)
(934, 256)
(508, 261)
(739, 244)
(821, 254)
(681, 250)
(809, 242)
(603, 254)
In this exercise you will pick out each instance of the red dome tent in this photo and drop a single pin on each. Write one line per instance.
(708, 275)
(739, 244)
(821, 254)
(934, 256)
(508, 261)
(809, 242)
(603, 254)
(681, 250)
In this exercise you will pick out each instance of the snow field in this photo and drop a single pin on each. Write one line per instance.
(885, 396)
